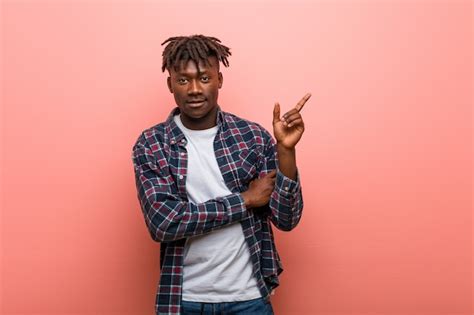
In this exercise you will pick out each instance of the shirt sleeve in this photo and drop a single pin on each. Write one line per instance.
(286, 201)
(167, 216)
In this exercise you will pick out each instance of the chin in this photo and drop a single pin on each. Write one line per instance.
(194, 115)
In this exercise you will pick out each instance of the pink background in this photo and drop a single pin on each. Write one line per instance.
(385, 159)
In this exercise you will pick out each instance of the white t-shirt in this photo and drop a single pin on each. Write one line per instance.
(217, 265)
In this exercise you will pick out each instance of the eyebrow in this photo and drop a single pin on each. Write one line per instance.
(184, 73)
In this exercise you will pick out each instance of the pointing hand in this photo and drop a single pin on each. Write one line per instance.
(289, 128)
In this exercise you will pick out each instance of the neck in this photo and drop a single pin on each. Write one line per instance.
(206, 122)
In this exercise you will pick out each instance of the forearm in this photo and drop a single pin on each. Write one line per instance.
(170, 220)
(286, 202)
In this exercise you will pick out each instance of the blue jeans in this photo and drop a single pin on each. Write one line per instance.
(259, 306)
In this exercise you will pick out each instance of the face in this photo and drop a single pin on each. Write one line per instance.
(196, 92)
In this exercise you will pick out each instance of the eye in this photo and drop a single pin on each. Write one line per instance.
(182, 80)
(205, 79)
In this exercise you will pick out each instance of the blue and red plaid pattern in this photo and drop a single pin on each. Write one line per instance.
(244, 151)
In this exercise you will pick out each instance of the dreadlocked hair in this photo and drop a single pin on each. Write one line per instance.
(195, 47)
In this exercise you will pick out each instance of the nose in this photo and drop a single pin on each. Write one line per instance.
(194, 87)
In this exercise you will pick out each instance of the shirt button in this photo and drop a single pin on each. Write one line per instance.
(181, 176)
(183, 141)
(183, 154)
(286, 188)
(172, 142)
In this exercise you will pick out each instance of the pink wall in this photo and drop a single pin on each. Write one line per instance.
(385, 160)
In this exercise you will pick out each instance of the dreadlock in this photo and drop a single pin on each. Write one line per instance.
(195, 47)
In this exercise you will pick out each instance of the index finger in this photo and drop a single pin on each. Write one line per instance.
(301, 103)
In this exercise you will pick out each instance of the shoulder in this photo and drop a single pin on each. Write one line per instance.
(247, 128)
(152, 137)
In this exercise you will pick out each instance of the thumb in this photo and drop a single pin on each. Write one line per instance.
(276, 113)
(272, 173)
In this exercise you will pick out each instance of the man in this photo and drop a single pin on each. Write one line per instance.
(209, 184)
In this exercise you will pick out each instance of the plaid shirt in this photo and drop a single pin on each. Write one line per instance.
(244, 151)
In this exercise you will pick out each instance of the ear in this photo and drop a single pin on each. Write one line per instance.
(168, 81)
(221, 79)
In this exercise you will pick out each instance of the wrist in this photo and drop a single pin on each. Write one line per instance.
(287, 161)
(284, 149)
(247, 199)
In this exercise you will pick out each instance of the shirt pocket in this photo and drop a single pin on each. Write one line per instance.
(248, 166)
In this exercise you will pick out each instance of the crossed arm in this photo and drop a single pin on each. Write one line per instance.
(170, 218)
